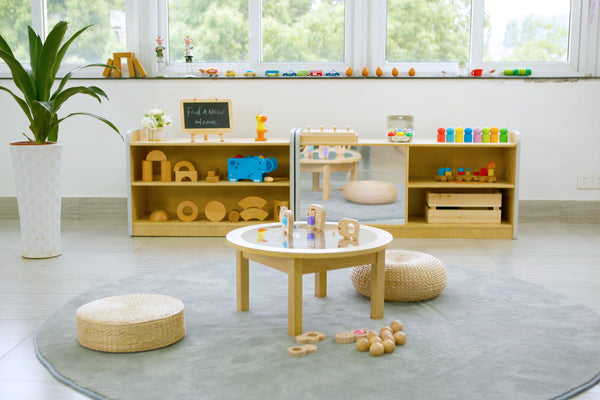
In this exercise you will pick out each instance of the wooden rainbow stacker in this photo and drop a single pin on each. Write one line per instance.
(134, 66)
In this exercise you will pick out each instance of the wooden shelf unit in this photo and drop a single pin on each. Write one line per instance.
(145, 197)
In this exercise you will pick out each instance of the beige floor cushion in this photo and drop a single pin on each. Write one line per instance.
(370, 192)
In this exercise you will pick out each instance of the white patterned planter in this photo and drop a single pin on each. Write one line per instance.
(37, 179)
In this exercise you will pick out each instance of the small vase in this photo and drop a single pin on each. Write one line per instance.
(37, 179)
(155, 134)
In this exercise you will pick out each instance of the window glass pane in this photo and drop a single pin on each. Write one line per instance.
(428, 30)
(18, 12)
(526, 31)
(106, 36)
(303, 30)
(218, 30)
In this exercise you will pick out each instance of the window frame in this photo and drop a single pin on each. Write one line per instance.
(365, 46)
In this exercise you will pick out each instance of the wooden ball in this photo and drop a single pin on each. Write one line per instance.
(371, 334)
(376, 349)
(396, 326)
(375, 339)
(389, 336)
(362, 344)
(159, 216)
(385, 329)
(400, 338)
(389, 346)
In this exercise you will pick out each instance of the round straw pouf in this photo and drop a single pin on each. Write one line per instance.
(370, 192)
(130, 323)
(409, 276)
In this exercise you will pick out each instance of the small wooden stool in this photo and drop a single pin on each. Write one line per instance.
(130, 323)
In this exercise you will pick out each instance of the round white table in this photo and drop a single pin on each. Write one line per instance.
(307, 252)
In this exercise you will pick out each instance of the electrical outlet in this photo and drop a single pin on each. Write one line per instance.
(588, 182)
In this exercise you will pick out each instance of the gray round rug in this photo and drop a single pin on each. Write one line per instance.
(485, 337)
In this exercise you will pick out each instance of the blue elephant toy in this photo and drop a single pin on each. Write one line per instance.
(254, 168)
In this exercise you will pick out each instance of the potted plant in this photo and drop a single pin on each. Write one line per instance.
(36, 161)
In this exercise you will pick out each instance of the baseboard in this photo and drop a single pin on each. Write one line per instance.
(564, 211)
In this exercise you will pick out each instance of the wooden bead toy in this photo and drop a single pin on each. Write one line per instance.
(349, 337)
(396, 326)
(362, 344)
(311, 337)
(349, 228)
(400, 338)
(389, 345)
(159, 216)
(315, 217)
(298, 351)
(376, 349)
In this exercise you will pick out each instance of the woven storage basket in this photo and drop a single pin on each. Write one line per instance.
(409, 276)
(130, 323)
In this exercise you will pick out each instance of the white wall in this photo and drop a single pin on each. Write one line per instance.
(558, 121)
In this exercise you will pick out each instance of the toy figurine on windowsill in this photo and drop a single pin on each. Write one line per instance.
(160, 56)
(189, 55)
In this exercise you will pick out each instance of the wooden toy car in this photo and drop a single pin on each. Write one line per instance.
(272, 72)
(230, 73)
(315, 72)
(209, 71)
(290, 73)
(249, 73)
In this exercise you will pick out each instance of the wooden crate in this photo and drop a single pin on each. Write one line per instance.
(463, 208)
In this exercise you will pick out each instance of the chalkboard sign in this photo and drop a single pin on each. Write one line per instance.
(206, 116)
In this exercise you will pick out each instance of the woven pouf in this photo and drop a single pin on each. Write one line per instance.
(130, 323)
(409, 276)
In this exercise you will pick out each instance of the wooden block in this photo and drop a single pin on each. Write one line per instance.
(139, 68)
(349, 228)
(234, 216)
(315, 217)
(215, 211)
(117, 63)
(214, 172)
(213, 179)
(287, 220)
(126, 54)
(252, 201)
(187, 217)
(156, 155)
(107, 71)
(130, 68)
(146, 171)
(277, 206)
(165, 171)
(254, 213)
(180, 176)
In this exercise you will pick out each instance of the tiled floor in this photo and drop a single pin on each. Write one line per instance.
(564, 258)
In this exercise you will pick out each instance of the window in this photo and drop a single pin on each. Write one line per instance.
(19, 13)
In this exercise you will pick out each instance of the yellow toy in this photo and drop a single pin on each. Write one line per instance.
(260, 128)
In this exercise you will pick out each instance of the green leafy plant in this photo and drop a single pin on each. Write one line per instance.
(39, 103)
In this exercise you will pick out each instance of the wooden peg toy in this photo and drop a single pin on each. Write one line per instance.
(349, 228)
(315, 217)
(298, 351)
(311, 337)
(287, 221)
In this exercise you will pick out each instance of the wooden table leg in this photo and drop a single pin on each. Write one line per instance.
(243, 280)
(321, 284)
(378, 285)
(316, 185)
(326, 183)
(295, 298)
(354, 172)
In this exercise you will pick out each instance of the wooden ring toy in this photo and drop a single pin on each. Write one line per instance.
(187, 217)
(311, 337)
(298, 351)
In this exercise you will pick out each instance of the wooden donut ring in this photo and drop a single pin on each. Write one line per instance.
(189, 217)
(296, 351)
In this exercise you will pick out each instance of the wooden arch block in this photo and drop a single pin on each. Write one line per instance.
(156, 155)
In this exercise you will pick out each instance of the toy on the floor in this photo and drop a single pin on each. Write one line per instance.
(183, 206)
(315, 217)
(311, 337)
(189, 173)
(254, 168)
(287, 221)
(328, 136)
(165, 166)
(298, 351)
(349, 228)
(350, 337)
(378, 344)
(260, 128)
(159, 216)
(253, 208)
(215, 211)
